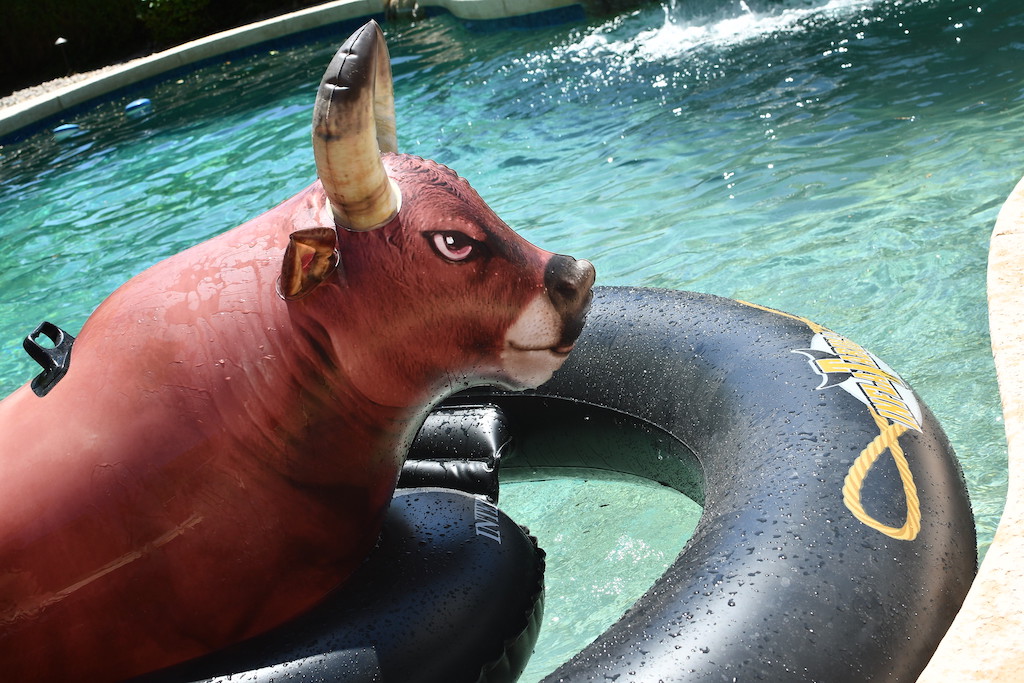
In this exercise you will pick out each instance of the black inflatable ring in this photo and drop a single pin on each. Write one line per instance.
(453, 592)
(837, 541)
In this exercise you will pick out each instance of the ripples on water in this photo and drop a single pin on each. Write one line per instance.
(841, 159)
(844, 160)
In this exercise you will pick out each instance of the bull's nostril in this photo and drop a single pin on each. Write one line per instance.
(567, 289)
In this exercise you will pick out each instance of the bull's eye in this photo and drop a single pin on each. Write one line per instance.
(455, 246)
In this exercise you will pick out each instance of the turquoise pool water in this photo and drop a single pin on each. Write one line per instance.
(840, 159)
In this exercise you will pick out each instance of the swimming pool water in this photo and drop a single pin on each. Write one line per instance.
(840, 159)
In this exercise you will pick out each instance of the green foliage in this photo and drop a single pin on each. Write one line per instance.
(97, 33)
(101, 32)
(174, 21)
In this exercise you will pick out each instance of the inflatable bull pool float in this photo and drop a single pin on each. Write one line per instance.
(230, 424)
(836, 544)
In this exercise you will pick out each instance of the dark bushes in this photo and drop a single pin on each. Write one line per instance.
(100, 32)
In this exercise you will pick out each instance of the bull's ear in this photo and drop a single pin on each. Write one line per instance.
(309, 259)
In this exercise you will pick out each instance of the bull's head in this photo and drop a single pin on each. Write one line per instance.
(445, 286)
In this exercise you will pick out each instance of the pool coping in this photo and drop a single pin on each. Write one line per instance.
(40, 108)
(986, 641)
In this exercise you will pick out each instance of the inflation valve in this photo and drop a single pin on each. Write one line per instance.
(54, 359)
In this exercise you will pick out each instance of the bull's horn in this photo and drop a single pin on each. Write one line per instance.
(353, 122)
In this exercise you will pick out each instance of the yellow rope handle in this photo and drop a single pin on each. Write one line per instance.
(887, 440)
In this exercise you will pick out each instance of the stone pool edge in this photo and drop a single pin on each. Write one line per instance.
(986, 641)
(30, 112)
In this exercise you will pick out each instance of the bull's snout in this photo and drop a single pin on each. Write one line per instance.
(539, 340)
(569, 285)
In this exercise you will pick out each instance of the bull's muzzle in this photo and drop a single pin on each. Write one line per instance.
(569, 284)
(541, 338)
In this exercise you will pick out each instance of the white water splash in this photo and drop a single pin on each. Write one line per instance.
(683, 31)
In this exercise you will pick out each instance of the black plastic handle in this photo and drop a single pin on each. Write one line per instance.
(54, 359)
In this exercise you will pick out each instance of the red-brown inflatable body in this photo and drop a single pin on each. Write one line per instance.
(232, 424)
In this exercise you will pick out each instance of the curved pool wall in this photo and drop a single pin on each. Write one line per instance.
(986, 642)
(29, 113)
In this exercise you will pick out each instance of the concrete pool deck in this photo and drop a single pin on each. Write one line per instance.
(986, 642)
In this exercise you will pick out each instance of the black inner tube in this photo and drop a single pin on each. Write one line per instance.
(554, 434)
(452, 593)
(781, 580)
